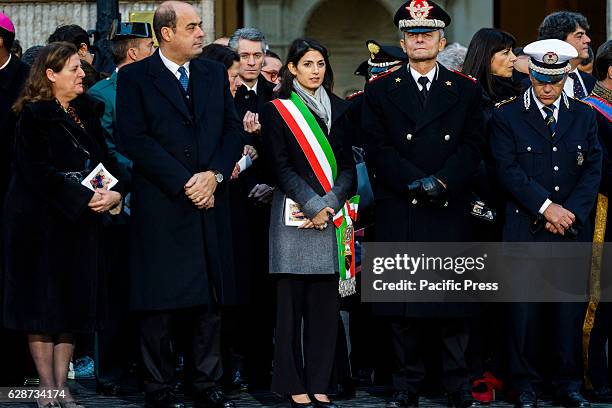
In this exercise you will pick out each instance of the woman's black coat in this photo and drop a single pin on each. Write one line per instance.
(52, 246)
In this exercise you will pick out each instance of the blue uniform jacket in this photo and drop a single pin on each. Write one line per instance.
(531, 166)
(106, 91)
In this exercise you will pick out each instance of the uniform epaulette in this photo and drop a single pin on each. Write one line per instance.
(471, 78)
(354, 94)
(505, 101)
(377, 77)
(585, 102)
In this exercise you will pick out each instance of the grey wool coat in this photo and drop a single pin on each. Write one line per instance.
(306, 251)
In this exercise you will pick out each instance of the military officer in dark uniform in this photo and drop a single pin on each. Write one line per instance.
(548, 159)
(364, 330)
(424, 127)
(383, 60)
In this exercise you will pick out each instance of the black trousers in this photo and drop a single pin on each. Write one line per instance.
(117, 341)
(306, 320)
(203, 357)
(410, 336)
(545, 335)
(600, 367)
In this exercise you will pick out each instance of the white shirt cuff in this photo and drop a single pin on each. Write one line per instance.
(545, 206)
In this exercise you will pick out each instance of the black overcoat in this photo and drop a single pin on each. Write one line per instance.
(52, 252)
(180, 256)
(12, 79)
(405, 142)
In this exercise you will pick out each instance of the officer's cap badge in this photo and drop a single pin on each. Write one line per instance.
(419, 9)
(550, 58)
(374, 49)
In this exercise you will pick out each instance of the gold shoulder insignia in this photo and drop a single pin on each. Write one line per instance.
(505, 101)
(582, 101)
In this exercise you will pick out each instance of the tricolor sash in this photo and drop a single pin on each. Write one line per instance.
(602, 106)
(321, 159)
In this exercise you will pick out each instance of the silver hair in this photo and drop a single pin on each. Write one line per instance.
(453, 56)
(248, 33)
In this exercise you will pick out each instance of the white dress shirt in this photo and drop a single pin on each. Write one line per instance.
(254, 88)
(568, 88)
(431, 75)
(173, 66)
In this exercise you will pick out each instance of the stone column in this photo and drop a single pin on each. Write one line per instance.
(207, 10)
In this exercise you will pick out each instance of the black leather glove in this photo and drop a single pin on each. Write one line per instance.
(430, 190)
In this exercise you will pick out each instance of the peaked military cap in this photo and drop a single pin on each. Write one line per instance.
(123, 31)
(382, 57)
(549, 59)
(421, 16)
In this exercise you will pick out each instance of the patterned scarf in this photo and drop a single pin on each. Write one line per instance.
(603, 93)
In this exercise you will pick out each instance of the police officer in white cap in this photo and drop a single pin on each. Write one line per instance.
(548, 160)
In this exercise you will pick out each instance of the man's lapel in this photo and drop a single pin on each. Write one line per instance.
(566, 116)
(443, 95)
(200, 88)
(166, 83)
(403, 93)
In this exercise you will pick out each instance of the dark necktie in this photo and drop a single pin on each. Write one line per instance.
(250, 94)
(578, 89)
(183, 78)
(551, 123)
(424, 92)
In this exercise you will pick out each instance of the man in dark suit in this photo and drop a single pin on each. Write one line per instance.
(423, 125)
(13, 74)
(548, 160)
(571, 27)
(249, 329)
(177, 122)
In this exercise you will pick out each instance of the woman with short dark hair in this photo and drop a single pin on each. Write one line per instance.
(229, 58)
(308, 253)
(51, 221)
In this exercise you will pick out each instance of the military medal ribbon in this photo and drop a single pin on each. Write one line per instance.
(321, 159)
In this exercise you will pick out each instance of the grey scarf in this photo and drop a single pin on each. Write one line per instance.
(319, 103)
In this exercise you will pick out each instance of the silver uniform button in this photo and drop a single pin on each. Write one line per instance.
(554, 148)
(528, 148)
(579, 147)
(516, 211)
(414, 201)
(556, 168)
(556, 188)
(447, 138)
(409, 136)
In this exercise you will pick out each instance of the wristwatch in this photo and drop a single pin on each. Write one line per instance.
(218, 176)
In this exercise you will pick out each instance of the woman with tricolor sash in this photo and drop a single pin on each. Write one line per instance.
(597, 329)
(311, 223)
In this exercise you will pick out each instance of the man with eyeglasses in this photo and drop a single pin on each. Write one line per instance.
(272, 67)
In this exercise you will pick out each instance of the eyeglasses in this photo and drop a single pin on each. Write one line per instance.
(273, 74)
